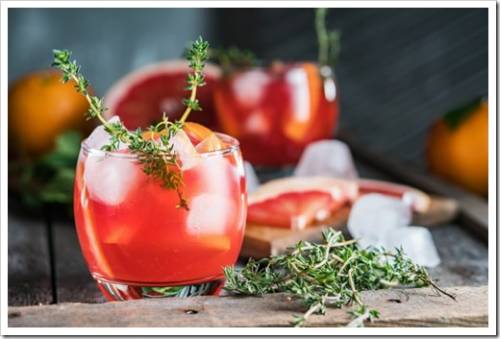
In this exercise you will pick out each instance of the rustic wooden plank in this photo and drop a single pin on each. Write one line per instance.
(441, 211)
(74, 282)
(464, 259)
(29, 278)
(473, 209)
(403, 307)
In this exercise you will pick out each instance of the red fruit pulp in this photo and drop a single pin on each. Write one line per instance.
(142, 97)
(279, 110)
(294, 210)
(139, 237)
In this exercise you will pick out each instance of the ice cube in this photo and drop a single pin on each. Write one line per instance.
(251, 178)
(250, 87)
(99, 137)
(417, 244)
(209, 214)
(209, 144)
(327, 158)
(381, 221)
(186, 152)
(110, 178)
(374, 216)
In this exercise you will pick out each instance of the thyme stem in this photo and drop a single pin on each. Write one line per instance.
(157, 155)
(188, 108)
(314, 274)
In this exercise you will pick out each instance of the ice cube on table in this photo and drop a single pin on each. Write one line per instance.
(374, 216)
(378, 220)
(110, 178)
(251, 178)
(330, 158)
(99, 137)
(416, 243)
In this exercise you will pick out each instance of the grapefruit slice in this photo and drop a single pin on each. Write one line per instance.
(418, 200)
(141, 97)
(204, 139)
(196, 132)
(298, 202)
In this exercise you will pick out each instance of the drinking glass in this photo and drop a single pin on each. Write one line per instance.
(135, 239)
(279, 109)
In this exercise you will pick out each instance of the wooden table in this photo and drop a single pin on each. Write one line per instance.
(46, 267)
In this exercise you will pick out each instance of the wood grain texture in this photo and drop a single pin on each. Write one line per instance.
(408, 307)
(28, 262)
(74, 282)
(441, 211)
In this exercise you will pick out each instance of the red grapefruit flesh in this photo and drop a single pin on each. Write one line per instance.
(295, 203)
(141, 97)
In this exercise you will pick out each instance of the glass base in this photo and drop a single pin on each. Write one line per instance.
(118, 291)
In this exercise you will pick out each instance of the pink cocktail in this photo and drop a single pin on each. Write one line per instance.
(276, 112)
(135, 239)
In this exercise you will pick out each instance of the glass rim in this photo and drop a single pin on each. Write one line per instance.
(234, 146)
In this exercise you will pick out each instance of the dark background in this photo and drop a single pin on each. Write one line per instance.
(399, 69)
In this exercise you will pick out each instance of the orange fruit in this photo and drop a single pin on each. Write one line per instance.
(40, 108)
(458, 150)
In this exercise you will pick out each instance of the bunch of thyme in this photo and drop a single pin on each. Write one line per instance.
(157, 155)
(332, 273)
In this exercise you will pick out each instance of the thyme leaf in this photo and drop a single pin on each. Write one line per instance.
(156, 154)
(329, 274)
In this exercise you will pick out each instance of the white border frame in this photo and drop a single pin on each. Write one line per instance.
(492, 236)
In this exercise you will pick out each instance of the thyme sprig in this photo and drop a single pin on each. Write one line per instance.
(328, 41)
(156, 153)
(233, 58)
(329, 274)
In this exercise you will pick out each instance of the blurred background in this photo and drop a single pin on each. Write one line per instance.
(398, 71)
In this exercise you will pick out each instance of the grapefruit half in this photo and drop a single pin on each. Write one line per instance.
(141, 97)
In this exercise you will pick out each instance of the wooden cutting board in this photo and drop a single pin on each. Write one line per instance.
(262, 241)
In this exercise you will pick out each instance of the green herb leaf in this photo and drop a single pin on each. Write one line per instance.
(157, 156)
(232, 58)
(49, 179)
(332, 273)
(455, 117)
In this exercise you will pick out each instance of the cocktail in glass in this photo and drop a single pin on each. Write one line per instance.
(279, 109)
(138, 242)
